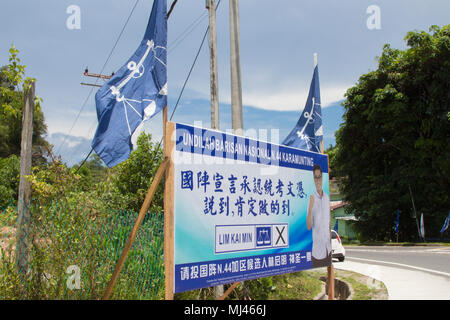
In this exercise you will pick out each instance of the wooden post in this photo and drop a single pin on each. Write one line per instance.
(227, 293)
(132, 236)
(169, 129)
(330, 271)
(24, 199)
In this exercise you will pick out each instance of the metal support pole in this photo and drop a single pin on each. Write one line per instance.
(211, 6)
(235, 62)
(214, 84)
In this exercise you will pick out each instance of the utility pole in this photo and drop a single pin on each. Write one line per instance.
(24, 199)
(211, 6)
(237, 122)
(235, 62)
(214, 84)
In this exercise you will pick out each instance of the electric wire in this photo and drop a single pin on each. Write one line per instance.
(104, 65)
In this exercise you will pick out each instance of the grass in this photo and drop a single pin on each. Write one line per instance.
(295, 286)
(291, 286)
(302, 285)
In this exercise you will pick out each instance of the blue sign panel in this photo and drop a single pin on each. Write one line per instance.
(241, 209)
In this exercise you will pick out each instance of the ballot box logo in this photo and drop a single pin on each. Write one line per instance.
(263, 236)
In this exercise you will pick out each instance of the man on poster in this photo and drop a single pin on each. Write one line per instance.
(318, 219)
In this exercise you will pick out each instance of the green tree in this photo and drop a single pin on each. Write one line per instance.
(396, 137)
(131, 179)
(97, 170)
(12, 86)
(331, 151)
(9, 177)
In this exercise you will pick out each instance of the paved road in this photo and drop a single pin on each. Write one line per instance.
(436, 258)
(409, 273)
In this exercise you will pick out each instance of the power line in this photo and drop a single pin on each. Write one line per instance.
(190, 71)
(182, 36)
(104, 65)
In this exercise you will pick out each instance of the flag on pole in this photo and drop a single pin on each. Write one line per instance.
(446, 223)
(422, 226)
(308, 132)
(397, 222)
(336, 226)
(136, 93)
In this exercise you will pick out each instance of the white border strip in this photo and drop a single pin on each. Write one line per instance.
(402, 265)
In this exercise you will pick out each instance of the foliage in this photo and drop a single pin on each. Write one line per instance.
(13, 84)
(396, 137)
(79, 216)
(132, 178)
(9, 175)
(291, 286)
(62, 236)
(332, 152)
(97, 171)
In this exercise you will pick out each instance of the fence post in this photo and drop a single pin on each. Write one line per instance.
(23, 203)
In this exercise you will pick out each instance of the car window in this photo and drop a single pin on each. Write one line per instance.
(333, 235)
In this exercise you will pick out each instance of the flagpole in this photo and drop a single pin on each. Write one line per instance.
(330, 268)
(168, 209)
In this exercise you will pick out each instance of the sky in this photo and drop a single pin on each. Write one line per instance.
(277, 43)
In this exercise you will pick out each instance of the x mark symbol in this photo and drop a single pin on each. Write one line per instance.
(280, 235)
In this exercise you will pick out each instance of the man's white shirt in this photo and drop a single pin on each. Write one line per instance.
(321, 226)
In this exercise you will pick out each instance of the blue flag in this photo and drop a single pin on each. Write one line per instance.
(308, 132)
(136, 93)
(446, 223)
(336, 226)
(397, 222)
(422, 226)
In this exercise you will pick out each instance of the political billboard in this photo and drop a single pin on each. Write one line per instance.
(245, 208)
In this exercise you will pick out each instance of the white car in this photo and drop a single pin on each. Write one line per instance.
(337, 248)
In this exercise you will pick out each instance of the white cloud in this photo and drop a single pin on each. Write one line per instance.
(291, 100)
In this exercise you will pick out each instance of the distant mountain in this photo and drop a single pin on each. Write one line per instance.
(71, 149)
(194, 110)
(75, 149)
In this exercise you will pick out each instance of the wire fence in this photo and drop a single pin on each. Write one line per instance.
(70, 252)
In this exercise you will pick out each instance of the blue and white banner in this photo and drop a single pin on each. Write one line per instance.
(422, 227)
(240, 208)
(308, 132)
(397, 222)
(446, 224)
(136, 92)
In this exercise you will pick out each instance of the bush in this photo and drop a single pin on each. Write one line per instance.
(9, 177)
